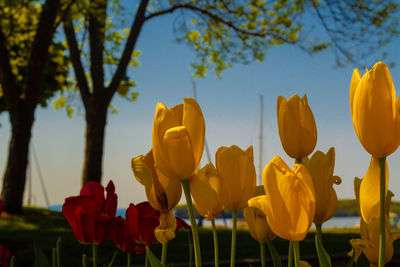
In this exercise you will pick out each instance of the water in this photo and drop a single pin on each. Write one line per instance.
(335, 222)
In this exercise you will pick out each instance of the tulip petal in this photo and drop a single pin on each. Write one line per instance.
(166, 230)
(369, 190)
(193, 121)
(355, 80)
(142, 171)
(95, 190)
(179, 150)
(164, 119)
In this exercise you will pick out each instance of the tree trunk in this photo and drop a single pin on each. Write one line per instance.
(15, 175)
(96, 120)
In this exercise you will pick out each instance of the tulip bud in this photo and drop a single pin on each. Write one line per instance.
(296, 125)
(321, 167)
(236, 179)
(178, 139)
(205, 197)
(375, 110)
(257, 221)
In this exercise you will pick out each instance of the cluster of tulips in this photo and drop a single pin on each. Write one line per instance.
(287, 203)
(5, 254)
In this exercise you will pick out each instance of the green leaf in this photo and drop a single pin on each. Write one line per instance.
(323, 256)
(113, 259)
(40, 258)
(276, 259)
(351, 261)
(154, 262)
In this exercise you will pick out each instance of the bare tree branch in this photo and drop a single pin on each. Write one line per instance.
(129, 47)
(39, 52)
(75, 57)
(64, 14)
(97, 17)
(218, 19)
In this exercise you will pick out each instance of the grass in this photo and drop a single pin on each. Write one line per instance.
(43, 228)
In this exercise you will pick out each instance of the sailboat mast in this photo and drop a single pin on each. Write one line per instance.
(260, 151)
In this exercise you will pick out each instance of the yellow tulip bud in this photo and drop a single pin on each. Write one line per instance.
(236, 179)
(369, 190)
(205, 198)
(178, 138)
(375, 110)
(321, 167)
(257, 221)
(289, 200)
(369, 242)
(162, 193)
(166, 230)
(296, 125)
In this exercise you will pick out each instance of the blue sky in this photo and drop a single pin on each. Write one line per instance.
(230, 107)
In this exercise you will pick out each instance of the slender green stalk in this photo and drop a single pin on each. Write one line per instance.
(190, 241)
(382, 189)
(262, 251)
(197, 256)
(216, 255)
(233, 242)
(58, 251)
(318, 228)
(128, 259)
(84, 260)
(290, 255)
(164, 254)
(146, 261)
(54, 258)
(296, 252)
(12, 261)
(94, 250)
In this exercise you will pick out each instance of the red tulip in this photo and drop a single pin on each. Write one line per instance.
(122, 239)
(5, 256)
(90, 214)
(142, 219)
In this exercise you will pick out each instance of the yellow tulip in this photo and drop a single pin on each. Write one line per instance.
(162, 193)
(257, 221)
(296, 125)
(375, 110)
(236, 179)
(321, 167)
(369, 242)
(178, 138)
(369, 190)
(205, 198)
(289, 200)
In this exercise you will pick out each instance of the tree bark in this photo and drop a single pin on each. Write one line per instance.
(96, 120)
(15, 174)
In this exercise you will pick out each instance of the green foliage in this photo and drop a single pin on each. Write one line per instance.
(19, 21)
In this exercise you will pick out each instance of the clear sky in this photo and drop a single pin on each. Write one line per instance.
(230, 108)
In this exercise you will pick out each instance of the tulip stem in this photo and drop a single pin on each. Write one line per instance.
(382, 223)
(290, 255)
(94, 250)
(318, 227)
(216, 257)
(146, 261)
(233, 242)
(84, 260)
(262, 251)
(297, 161)
(164, 254)
(128, 259)
(186, 190)
(296, 252)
